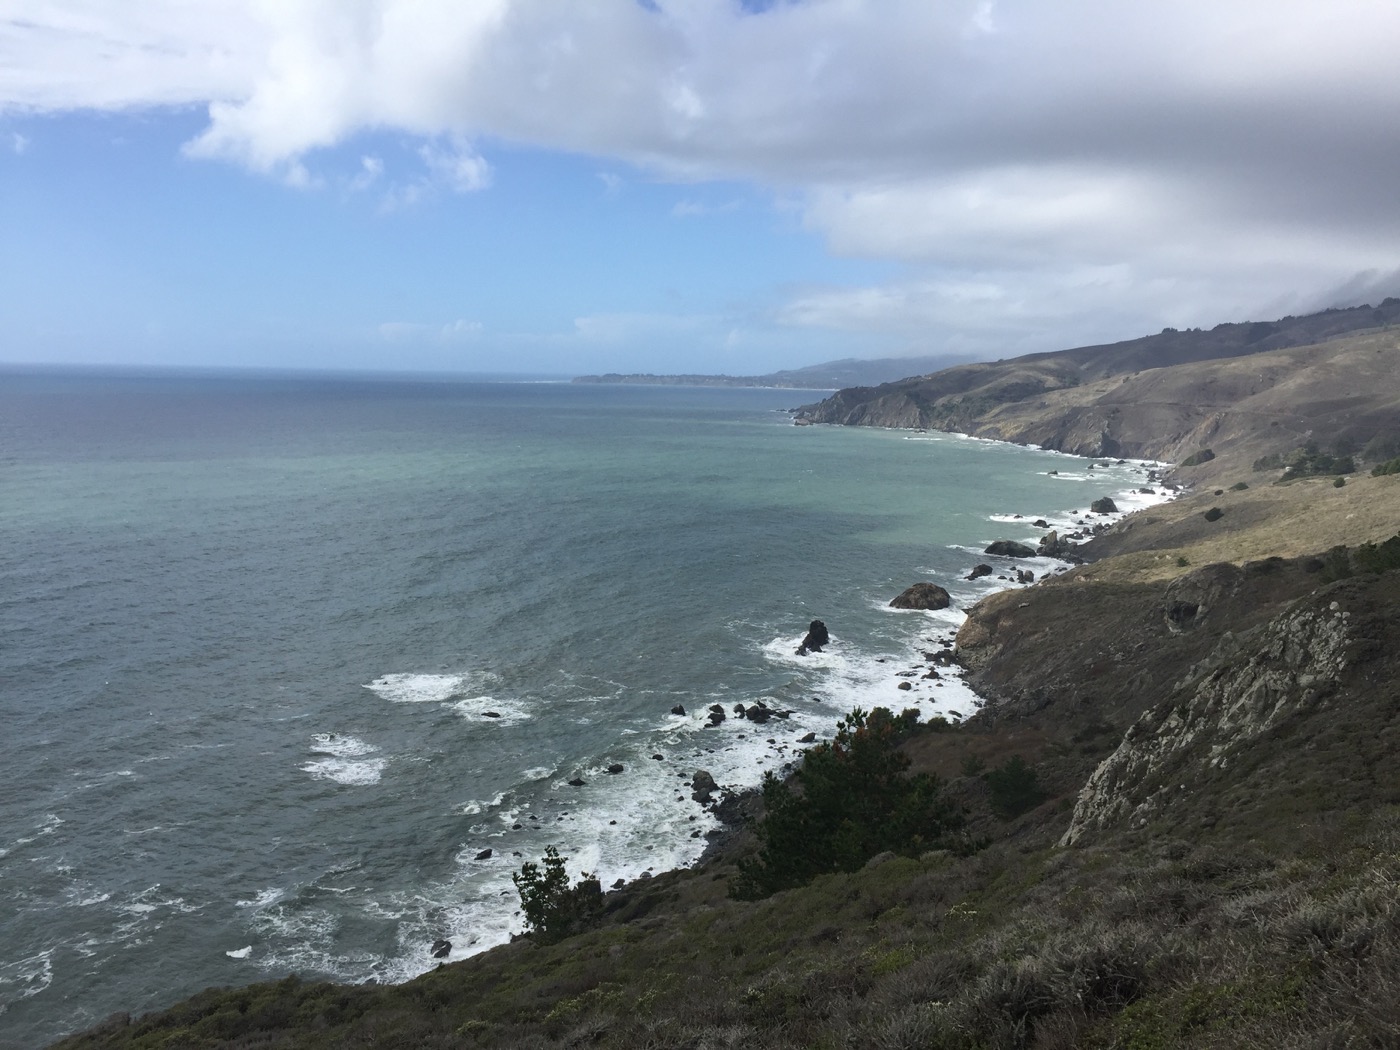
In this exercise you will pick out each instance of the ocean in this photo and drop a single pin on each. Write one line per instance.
(282, 656)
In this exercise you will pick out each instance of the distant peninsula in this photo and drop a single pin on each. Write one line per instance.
(832, 375)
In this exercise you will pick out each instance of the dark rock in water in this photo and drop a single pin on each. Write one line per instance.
(679, 709)
(1010, 549)
(781, 714)
(1053, 473)
(441, 949)
(807, 738)
(484, 855)
(760, 714)
(978, 571)
(1052, 546)
(659, 758)
(1025, 576)
(1041, 523)
(740, 711)
(922, 596)
(619, 884)
(615, 768)
(702, 783)
(1104, 506)
(716, 714)
(490, 714)
(905, 685)
(817, 637)
(577, 782)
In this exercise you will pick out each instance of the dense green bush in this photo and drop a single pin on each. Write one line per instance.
(849, 800)
(1205, 455)
(553, 909)
(1310, 460)
(1015, 788)
(1390, 466)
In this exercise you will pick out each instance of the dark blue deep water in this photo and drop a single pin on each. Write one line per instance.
(279, 657)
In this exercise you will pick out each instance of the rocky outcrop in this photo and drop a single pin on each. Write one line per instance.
(1104, 505)
(923, 595)
(817, 636)
(1009, 549)
(1249, 685)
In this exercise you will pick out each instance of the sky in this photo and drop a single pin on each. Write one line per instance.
(536, 186)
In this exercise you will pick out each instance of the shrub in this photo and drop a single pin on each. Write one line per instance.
(1015, 788)
(1273, 461)
(1239, 486)
(1214, 514)
(1339, 483)
(554, 910)
(1309, 461)
(1390, 466)
(849, 800)
(1205, 455)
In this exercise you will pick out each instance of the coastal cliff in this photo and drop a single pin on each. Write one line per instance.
(1267, 385)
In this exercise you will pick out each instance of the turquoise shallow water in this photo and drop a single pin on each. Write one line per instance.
(282, 656)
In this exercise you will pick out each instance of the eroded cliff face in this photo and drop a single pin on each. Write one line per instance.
(1281, 684)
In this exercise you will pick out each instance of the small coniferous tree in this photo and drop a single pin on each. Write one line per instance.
(849, 800)
(554, 910)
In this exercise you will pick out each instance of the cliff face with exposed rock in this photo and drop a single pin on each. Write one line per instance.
(1265, 387)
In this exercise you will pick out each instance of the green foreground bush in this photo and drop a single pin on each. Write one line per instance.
(849, 800)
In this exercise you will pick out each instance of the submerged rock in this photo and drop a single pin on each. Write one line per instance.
(441, 949)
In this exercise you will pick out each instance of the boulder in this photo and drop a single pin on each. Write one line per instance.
(1025, 576)
(1010, 549)
(484, 855)
(760, 714)
(441, 949)
(615, 768)
(702, 786)
(679, 709)
(1104, 506)
(978, 571)
(817, 637)
(922, 596)
(577, 782)
(807, 738)
(716, 714)
(1041, 523)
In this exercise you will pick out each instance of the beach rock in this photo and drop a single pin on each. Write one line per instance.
(740, 711)
(484, 855)
(679, 709)
(922, 596)
(807, 738)
(1104, 506)
(817, 636)
(577, 782)
(615, 768)
(905, 685)
(441, 949)
(1052, 546)
(1025, 576)
(702, 786)
(716, 714)
(760, 714)
(1041, 523)
(978, 571)
(490, 714)
(1010, 549)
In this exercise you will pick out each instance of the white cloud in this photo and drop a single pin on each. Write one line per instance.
(19, 143)
(1206, 153)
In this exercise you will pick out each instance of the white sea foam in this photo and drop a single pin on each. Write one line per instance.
(347, 771)
(419, 688)
(25, 977)
(340, 745)
(240, 953)
(491, 709)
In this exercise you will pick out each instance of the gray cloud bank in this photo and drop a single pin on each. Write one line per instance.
(1044, 173)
